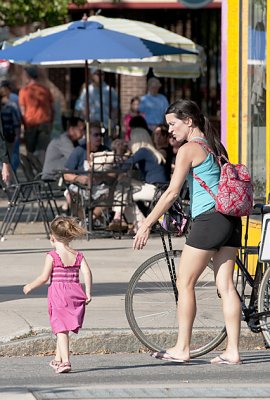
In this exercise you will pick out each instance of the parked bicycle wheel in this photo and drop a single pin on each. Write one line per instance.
(264, 305)
(151, 307)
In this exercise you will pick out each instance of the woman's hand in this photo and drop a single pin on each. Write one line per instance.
(27, 289)
(141, 237)
(6, 172)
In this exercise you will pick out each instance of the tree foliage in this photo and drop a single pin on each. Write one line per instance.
(45, 12)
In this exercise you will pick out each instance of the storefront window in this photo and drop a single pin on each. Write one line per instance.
(256, 134)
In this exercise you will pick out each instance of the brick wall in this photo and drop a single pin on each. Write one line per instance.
(131, 86)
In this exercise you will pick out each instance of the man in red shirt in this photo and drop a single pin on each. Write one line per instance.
(36, 104)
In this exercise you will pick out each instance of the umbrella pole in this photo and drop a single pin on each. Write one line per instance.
(88, 144)
(87, 112)
(119, 103)
(110, 108)
(101, 104)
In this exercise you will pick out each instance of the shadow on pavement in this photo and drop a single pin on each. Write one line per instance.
(44, 250)
(154, 365)
(257, 358)
(9, 293)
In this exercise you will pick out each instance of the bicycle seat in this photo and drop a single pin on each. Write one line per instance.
(264, 208)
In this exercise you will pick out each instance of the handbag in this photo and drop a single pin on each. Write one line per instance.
(174, 220)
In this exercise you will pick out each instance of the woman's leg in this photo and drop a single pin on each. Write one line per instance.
(224, 262)
(63, 345)
(192, 263)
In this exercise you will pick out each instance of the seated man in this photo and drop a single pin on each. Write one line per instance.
(78, 160)
(60, 149)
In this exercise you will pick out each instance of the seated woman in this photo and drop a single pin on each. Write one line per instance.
(175, 147)
(138, 124)
(151, 164)
(161, 142)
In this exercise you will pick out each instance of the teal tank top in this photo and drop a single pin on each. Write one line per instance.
(209, 172)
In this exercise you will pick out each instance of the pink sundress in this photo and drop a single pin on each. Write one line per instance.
(66, 297)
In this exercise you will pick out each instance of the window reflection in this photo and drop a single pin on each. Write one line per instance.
(257, 94)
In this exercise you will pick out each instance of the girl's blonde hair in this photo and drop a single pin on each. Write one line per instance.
(140, 138)
(65, 229)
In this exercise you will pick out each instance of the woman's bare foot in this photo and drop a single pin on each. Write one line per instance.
(227, 358)
(180, 355)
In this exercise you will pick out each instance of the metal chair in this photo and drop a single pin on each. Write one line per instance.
(32, 169)
(21, 195)
(30, 194)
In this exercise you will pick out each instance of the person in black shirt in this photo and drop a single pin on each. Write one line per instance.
(4, 156)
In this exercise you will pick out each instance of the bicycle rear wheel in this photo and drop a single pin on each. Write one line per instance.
(264, 305)
(151, 307)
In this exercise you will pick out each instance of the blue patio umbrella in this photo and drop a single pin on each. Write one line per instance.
(85, 40)
(84, 43)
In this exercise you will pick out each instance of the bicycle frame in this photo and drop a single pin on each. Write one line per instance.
(170, 263)
(250, 314)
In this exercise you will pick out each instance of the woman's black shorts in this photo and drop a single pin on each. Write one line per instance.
(212, 230)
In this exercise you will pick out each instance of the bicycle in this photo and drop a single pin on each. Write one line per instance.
(151, 299)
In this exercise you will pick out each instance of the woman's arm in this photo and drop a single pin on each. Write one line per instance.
(183, 164)
(41, 279)
(88, 280)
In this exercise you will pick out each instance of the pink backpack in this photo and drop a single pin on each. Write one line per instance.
(235, 189)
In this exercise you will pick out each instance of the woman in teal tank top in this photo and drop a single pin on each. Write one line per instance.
(212, 236)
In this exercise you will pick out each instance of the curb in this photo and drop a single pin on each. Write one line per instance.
(103, 341)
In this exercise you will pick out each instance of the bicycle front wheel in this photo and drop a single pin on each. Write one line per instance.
(151, 307)
(264, 305)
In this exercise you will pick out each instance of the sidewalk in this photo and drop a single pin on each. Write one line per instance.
(24, 328)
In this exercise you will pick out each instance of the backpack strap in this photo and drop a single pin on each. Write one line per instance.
(206, 147)
(203, 184)
(198, 179)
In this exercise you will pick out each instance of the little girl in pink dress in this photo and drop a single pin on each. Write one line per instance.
(66, 297)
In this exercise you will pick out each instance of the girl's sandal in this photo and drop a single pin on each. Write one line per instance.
(63, 368)
(54, 364)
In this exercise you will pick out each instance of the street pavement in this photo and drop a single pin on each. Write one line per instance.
(135, 376)
(25, 329)
(112, 366)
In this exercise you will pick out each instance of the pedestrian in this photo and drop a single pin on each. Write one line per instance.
(98, 112)
(13, 100)
(36, 104)
(66, 298)
(153, 104)
(213, 235)
(11, 121)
